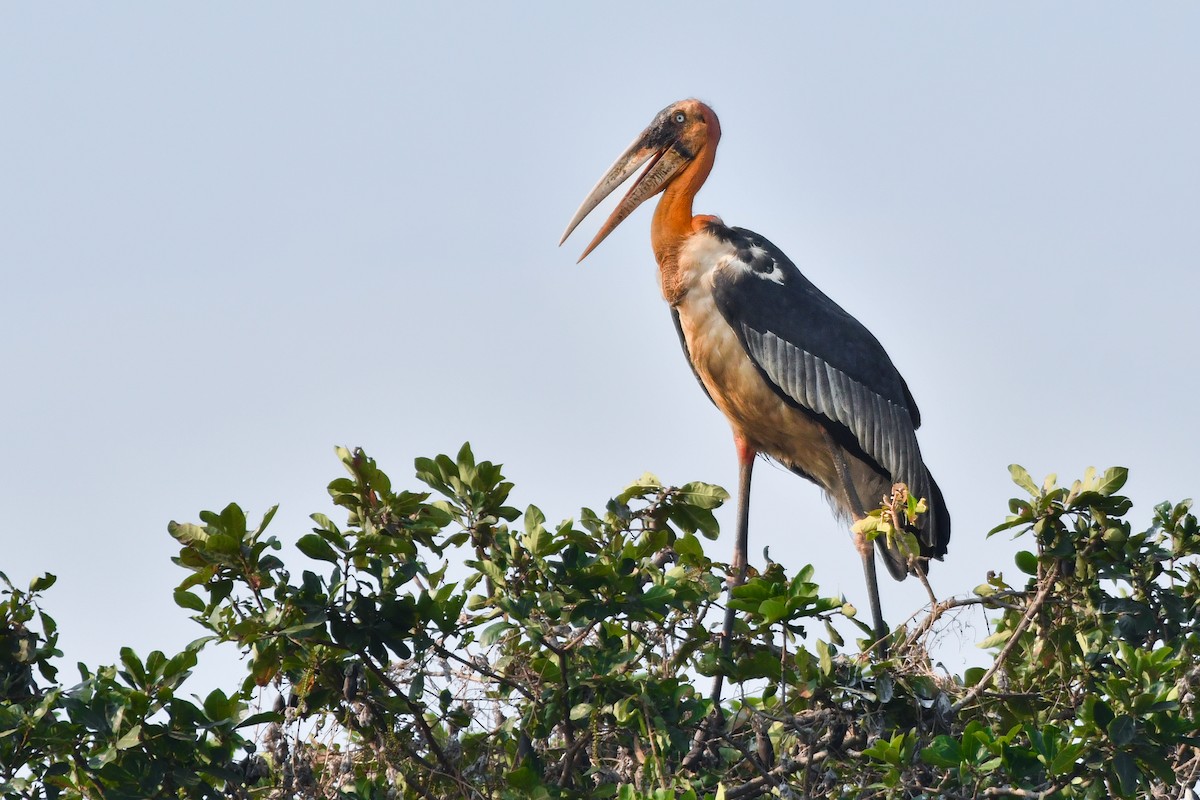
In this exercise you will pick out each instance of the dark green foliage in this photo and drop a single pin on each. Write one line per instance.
(121, 732)
(443, 644)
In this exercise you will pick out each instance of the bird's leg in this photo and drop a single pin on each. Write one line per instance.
(746, 455)
(737, 570)
(867, 551)
(865, 548)
(737, 576)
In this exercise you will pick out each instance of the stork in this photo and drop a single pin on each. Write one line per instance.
(799, 379)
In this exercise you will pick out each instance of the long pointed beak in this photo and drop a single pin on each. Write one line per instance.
(665, 162)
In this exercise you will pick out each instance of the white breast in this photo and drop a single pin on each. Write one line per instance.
(758, 415)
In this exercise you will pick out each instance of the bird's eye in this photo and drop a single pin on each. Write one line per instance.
(679, 117)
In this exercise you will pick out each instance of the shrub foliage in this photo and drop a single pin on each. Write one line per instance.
(440, 643)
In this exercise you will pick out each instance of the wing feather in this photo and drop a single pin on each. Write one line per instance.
(883, 430)
(818, 357)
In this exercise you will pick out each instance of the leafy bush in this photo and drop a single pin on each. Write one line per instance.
(443, 644)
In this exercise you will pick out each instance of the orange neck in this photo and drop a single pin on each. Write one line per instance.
(673, 215)
(673, 221)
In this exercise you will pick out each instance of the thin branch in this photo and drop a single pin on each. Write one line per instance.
(575, 642)
(571, 755)
(933, 601)
(702, 737)
(1035, 605)
(1012, 791)
(483, 670)
(418, 716)
(941, 608)
(568, 769)
(758, 785)
(763, 770)
(420, 787)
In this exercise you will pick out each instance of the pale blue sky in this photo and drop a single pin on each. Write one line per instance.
(233, 236)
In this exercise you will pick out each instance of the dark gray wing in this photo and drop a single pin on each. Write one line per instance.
(819, 358)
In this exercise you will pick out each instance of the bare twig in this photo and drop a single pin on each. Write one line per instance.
(571, 755)
(1035, 605)
(759, 785)
(1012, 791)
(700, 740)
(764, 770)
(418, 716)
(941, 608)
(482, 669)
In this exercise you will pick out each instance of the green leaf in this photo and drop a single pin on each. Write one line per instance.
(623, 710)
(833, 635)
(773, 610)
(185, 599)
(657, 595)
(316, 548)
(1022, 478)
(644, 486)
(703, 495)
(688, 545)
(1008, 524)
(826, 658)
(234, 520)
(328, 530)
(492, 633)
(130, 739)
(867, 525)
(995, 640)
(523, 779)
(266, 519)
(1122, 730)
(537, 538)
(887, 750)
(223, 544)
(1027, 562)
(1114, 478)
(217, 706)
(133, 666)
(885, 688)
(1064, 762)
(1127, 773)
(1098, 711)
(187, 533)
(582, 710)
(261, 718)
(491, 570)
(42, 582)
(944, 751)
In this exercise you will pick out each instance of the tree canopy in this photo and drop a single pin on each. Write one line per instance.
(435, 642)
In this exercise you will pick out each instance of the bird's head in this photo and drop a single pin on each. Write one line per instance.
(681, 135)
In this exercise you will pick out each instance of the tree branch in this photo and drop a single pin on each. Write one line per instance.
(418, 716)
(483, 670)
(1035, 605)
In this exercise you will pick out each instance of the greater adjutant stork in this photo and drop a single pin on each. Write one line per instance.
(799, 379)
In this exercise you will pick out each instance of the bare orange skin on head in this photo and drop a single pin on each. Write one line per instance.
(673, 219)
